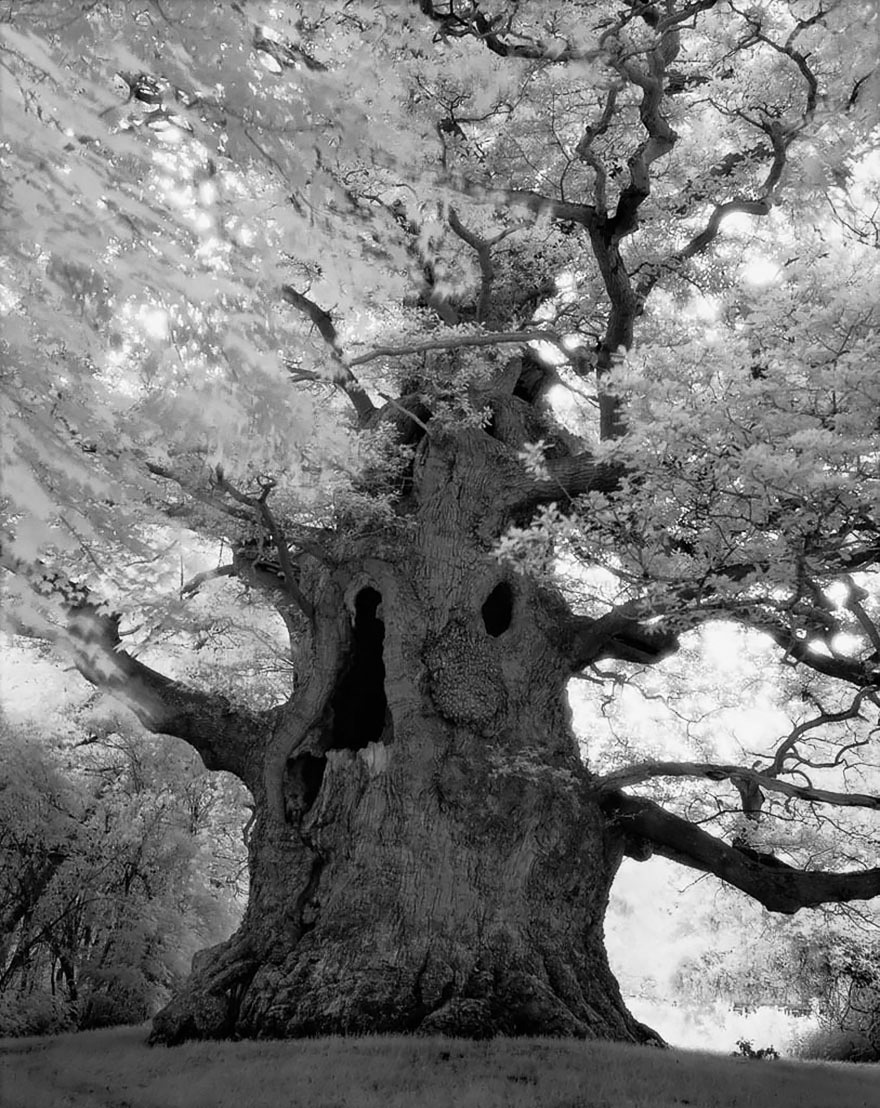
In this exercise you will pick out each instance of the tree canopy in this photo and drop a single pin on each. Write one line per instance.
(280, 278)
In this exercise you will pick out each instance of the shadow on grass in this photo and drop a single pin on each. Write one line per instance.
(116, 1069)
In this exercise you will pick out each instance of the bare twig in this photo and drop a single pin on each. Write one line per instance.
(788, 747)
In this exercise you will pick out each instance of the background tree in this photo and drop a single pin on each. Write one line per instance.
(307, 282)
(115, 872)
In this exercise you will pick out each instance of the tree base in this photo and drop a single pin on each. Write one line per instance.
(231, 995)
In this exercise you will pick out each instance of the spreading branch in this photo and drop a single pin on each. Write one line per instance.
(788, 748)
(780, 139)
(787, 49)
(646, 771)
(607, 232)
(779, 887)
(565, 211)
(267, 518)
(483, 248)
(225, 736)
(853, 603)
(205, 495)
(342, 375)
(659, 138)
(456, 342)
(864, 673)
(244, 565)
(585, 153)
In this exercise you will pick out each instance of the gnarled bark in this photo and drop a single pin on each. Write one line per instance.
(428, 854)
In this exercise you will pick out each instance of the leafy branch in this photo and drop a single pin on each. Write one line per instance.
(217, 495)
(267, 518)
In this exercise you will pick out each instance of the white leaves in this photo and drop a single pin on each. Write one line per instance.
(144, 313)
(532, 457)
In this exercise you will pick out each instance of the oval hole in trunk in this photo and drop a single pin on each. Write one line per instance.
(497, 609)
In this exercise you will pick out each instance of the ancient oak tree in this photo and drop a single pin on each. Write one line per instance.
(495, 344)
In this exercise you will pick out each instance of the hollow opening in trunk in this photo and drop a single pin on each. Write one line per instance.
(497, 610)
(302, 782)
(359, 703)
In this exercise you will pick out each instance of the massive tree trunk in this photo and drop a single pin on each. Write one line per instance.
(428, 853)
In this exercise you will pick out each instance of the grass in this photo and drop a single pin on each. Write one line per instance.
(116, 1069)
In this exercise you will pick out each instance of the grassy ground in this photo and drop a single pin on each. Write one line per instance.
(115, 1069)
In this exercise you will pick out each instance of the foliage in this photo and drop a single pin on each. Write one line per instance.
(35, 1013)
(744, 1049)
(176, 208)
(848, 977)
(823, 965)
(114, 873)
(833, 1043)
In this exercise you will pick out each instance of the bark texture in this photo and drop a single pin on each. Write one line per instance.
(428, 853)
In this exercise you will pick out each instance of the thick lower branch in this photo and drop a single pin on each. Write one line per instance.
(779, 887)
(225, 737)
(619, 635)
